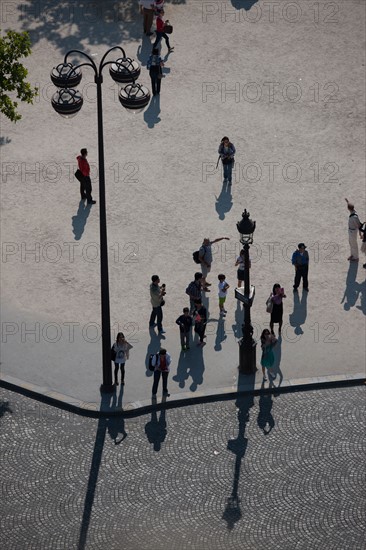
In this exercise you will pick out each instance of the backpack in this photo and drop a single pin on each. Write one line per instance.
(196, 257)
(151, 367)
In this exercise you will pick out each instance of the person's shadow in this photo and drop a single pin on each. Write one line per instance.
(243, 4)
(144, 50)
(197, 368)
(79, 221)
(362, 289)
(184, 364)
(220, 334)
(239, 318)
(265, 417)
(353, 289)
(298, 316)
(151, 115)
(224, 201)
(156, 430)
(116, 426)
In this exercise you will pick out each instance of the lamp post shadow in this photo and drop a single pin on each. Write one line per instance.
(238, 446)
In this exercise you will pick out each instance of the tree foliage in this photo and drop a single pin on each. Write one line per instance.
(13, 46)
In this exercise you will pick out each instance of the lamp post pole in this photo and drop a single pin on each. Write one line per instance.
(247, 345)
(67, 102)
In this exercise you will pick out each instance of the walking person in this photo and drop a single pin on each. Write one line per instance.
(241, 267)
(85, 181)
(185, 323)
(268, 341)
(227, 152)
(300, 260)
(147, 10)
(200, 322)
(155, 67)
(194, 291)
(157, 294)
(278, 293)
(354, 226)
(160, 24)
(161, 362)
(223, 287)
(205, 257)
(120, 353)
(363, 246)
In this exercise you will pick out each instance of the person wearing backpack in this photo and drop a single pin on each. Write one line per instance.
(161, 363)
(119, 354)
(205, 258)
(354, 226)
(194, 291)
(155, 67)
(227, 152)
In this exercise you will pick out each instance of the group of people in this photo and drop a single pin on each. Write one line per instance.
(155, 63)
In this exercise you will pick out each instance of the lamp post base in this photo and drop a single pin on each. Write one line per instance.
(107, 388)
(247, 357)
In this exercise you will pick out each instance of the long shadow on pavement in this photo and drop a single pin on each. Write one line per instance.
(79, 221)
(155, 429)
(298, 316)
(353, 288)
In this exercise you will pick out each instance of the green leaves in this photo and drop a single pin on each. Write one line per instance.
(13, 46)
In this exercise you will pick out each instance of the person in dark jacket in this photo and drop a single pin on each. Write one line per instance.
(300, 260)
(227, 152)
(155, 67)
(200, 321)
(194, 290)
(184, 322)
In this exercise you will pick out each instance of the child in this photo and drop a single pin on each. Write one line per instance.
(268, 341)
(185, 323)
(223, 288)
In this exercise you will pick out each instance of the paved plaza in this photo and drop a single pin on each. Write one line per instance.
(285, 471)
(285, 81)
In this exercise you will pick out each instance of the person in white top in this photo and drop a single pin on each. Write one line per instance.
(354, 226)
(223, 288)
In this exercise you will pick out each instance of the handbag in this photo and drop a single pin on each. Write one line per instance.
(162, 303)
(79, 175)
(269, 304)
(168, 28)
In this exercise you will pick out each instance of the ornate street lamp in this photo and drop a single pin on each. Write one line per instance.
(67, 101)
(247, 345)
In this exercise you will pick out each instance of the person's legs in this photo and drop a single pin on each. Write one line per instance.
(225, 166)
(159, 36)
(153, 317)
(297, 277)
(153, 83)
(149, 20)
(158, 84)
(305, 284)
(165, 381)
(82, 189)
(157, 374)
(186, 335)
(229, 171)
(116, 365)
(182, 339)
(166, 38)
(159, 319)
(88, 189)
(122, 374)
(353, 246)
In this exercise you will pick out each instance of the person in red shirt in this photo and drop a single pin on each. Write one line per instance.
(160, 24)
(84, 178)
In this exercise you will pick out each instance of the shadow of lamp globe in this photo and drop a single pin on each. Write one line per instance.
(247, 345)
(68, 101)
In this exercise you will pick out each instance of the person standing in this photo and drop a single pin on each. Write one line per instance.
(157, 294)
(161, 362)
(300, 260)
(160, 24)
(278, 293)
(120, 352)
(155, 67)
(223, 288)
(227, 152)
(85, 181)
(241, 267)
(147, 10)
(205, 257)
(268, 341)
(354, 226)
(363, 246)
(184, 322)
(200, 321)
(194, 291)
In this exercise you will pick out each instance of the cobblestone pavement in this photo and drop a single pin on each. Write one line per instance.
(284, 471)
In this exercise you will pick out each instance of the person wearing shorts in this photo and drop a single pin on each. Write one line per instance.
(223, 288)
(205, 257)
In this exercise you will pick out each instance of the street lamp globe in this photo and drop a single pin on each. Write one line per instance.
(65, 75)
(246, 228)
(134, 97)
(125, 70)
(67, 102)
